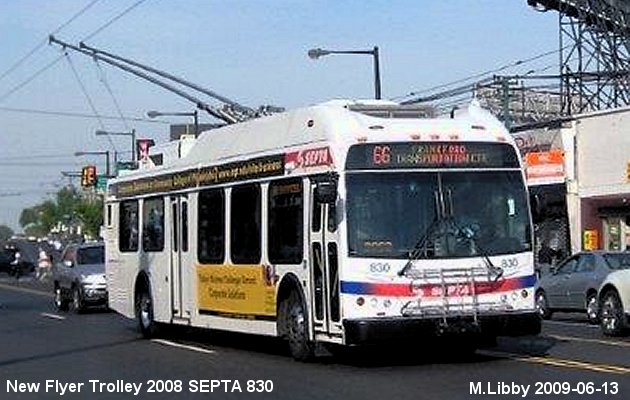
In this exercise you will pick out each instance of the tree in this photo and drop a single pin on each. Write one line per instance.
(5, 233)
(69, 207)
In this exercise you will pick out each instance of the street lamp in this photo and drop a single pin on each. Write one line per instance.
(317, 53)
(194, 114)
(101, 153)
(133, 139)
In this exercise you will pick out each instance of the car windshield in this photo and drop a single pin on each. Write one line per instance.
(618, 261)
(91, 255)
(389, 213)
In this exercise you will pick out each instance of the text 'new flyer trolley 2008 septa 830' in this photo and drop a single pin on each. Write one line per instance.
(345, 222)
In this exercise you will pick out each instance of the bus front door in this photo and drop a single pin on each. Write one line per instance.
(324, 269)
(179, 254)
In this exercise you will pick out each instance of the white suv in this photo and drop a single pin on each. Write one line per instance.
(79, 277)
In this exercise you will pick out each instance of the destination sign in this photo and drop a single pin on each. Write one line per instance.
(431, 155)
(256, 168)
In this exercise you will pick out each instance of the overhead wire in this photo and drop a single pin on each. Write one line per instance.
(30, 79)
(80, 115)
(484, 73)
(45, 40)
(89, 99)
(111, 21)
(103, 79)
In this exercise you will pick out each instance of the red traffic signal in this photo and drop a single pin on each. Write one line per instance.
(88, 176)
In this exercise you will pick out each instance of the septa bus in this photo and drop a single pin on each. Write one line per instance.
(345, 222)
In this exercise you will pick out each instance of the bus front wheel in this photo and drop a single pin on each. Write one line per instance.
(301, 348)
(144, 313)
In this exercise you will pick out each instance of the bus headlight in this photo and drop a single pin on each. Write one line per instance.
(360, 301)
(387, 303)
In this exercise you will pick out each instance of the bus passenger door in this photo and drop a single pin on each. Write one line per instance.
(324, 266)
(179, 253)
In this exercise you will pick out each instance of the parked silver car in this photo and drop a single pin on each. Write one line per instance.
(573, 285)
(79, 277)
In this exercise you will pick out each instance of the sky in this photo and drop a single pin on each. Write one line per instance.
(251, 51)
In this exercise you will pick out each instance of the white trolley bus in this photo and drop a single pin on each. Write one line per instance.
(344, 223)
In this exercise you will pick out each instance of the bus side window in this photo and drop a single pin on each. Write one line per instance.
(286, 210)
(245, 224)
(128, 226)
(211, 227)
(153, 224)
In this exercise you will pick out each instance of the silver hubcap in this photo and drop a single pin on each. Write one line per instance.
(145, 312)
(591, 308)
(609, 317)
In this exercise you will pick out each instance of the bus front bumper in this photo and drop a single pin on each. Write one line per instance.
(384, 330)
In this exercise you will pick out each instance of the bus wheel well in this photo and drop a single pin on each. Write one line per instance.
(289, 284)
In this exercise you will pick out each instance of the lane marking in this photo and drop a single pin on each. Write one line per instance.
(560, 362)
(585, 340)
(27, 290)
(573, 324)
(183, 346)
(53, 316)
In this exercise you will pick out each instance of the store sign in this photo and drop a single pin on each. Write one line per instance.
(545, 167)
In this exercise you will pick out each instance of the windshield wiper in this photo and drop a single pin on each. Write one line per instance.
(420, 245)
(470, 235)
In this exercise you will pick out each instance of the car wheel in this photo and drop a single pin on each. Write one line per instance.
(61, 304)
(592, 308)
(301, 348)
(542, 305)
(77, 300)
(144, 313)
(611, 316)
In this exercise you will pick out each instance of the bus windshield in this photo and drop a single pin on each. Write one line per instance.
(483, 213)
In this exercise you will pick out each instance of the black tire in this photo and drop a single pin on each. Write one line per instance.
(61, 304)
(78, 305)
(301, 348)
(592, 309)
(542, 305)
(144, 313)
(611, 314)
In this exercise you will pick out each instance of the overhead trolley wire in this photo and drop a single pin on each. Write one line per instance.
(89, 99)
(484, 73)
(103, 79)
(45, 40)
(79, 115)
(111, 21)
(30, 79)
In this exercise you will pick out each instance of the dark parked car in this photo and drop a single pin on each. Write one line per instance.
(79, 277)
(9, 265)
(573, 285)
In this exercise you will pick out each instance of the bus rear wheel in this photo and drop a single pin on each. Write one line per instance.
(301, 348)
(144, 314)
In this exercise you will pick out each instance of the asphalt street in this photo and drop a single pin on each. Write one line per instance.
(39, 345)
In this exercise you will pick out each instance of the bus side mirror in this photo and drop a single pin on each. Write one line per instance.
(326, 192)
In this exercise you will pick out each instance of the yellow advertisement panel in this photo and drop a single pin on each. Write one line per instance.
(591, 239)
(245, 291)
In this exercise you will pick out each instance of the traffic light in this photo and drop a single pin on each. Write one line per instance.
(88, 176)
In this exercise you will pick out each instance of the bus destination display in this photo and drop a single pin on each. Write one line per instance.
(431, 155)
